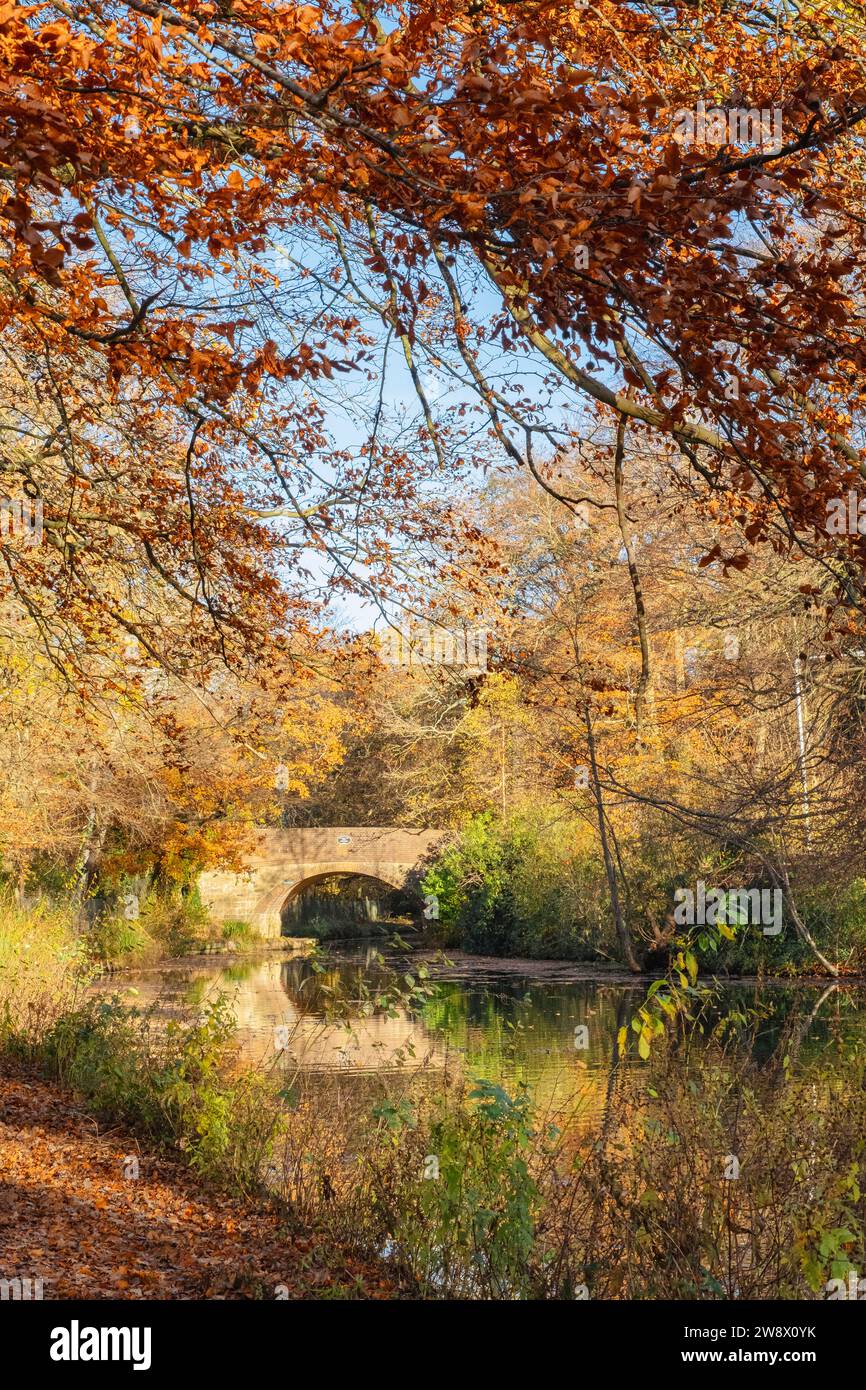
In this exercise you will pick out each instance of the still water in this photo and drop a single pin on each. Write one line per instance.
(553, 1025)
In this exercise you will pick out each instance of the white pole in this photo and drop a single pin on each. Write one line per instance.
(801, 734)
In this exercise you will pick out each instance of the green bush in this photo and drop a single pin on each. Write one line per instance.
(176, 923)
(112, 940)
(169, 1083)
(534, 885)
(522, 887)
(464, 1203)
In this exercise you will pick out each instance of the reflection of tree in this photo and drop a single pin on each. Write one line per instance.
(794, 1035)
(313, 990)
(526, 1030)
(613, 1073)
(775, 1023)
(238, 974)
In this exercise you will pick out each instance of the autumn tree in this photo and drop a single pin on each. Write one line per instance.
(209, 207)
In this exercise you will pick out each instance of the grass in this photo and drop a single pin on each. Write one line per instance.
(241, 932)
(42, 963)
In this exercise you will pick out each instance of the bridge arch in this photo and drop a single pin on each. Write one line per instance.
(351, 870)
(284, 861)
(389, 881)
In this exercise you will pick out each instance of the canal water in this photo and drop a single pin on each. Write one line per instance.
(551, 1024)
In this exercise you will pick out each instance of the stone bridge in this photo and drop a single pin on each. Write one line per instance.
(285, 861)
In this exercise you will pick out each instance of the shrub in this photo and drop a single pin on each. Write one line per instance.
(464, 1224)
(116, 940)
(170, 1083)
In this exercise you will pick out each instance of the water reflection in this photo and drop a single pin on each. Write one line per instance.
(555, 1032)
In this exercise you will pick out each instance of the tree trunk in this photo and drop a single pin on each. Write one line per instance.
(622, 930)
(87, 864)
(644, 685)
